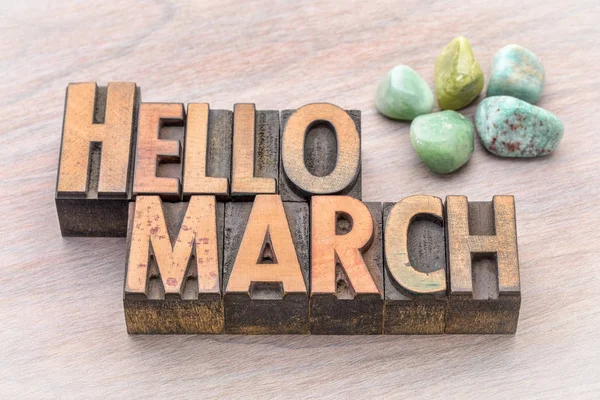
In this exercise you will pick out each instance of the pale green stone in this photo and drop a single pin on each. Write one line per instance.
(403, 94)
(516, 72)
(458, 76)
(510, 127)
(443, 140)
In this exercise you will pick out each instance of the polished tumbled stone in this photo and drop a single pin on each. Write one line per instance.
(458, 76)
(403, 94)
(510, 127)
(443, 140)
(516, 72)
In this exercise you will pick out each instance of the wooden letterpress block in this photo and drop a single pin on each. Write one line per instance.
(255, 160)
(265, 273)
(346, 266)
(158, 150)
(173, 269)
(93, 186)
(415, 266)
(320, 152)
(485, 293)
(207, 161)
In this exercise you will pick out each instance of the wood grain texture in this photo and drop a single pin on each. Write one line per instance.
(63, 330)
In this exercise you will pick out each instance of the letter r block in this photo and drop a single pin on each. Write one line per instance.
(346, 267)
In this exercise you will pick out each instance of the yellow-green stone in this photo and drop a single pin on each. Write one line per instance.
(443, 140)
(458, 76)
(403, 94)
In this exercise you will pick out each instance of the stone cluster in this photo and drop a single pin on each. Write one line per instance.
(507, 121)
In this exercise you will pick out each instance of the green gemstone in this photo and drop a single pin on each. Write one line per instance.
(443, 140)
(516, 72)
(510, 127)
(403, 94)
(458, 76)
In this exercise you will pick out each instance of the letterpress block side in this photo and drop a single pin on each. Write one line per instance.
(95, 170)
(255, 157)
(208, 146)
(266, 267)
(415, 266)
(485, 294)
(173, 268)
(346, 298)
(326, 161)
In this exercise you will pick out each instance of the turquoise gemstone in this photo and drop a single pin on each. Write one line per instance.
(403, 94)
(443, 140)
(516, 72)
(510, 127)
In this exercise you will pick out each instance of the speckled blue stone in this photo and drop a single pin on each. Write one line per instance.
(510, 127)
(516, 72)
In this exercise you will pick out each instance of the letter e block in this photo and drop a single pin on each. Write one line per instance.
(158, 166)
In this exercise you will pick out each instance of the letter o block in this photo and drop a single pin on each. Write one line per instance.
(320, 152)
(346, 267)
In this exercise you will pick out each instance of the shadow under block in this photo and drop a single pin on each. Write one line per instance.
(485, 294)
(208, 145)
(173, 268)
(353, 304)
(95, 170)
(259, 256)
(420, 307)
(320, 147)
(255, 154)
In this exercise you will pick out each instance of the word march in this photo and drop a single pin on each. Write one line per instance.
(251, 222)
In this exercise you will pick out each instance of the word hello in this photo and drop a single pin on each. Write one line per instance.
(252, 222)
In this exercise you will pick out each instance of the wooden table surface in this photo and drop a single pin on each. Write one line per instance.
(62, 332)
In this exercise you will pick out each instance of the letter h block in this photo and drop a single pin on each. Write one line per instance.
(95, 170)
(485, 293)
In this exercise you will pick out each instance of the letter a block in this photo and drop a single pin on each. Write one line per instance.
(320, 152)
(265, 273)
(485, 293)
(172, 277)
(346, 266)
(415, 266)
(95, 170)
